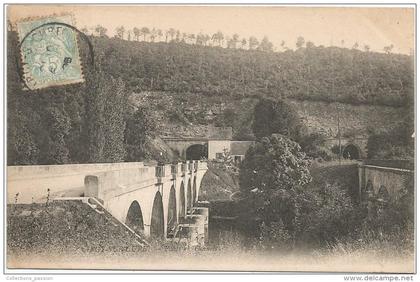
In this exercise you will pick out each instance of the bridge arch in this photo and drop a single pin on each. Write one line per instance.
(383, 193)
(181, 210)
(194, 190)
(352, 152)
(134, 218)
(157, 223)
(189, 196)
(197, 152)
(172, 216)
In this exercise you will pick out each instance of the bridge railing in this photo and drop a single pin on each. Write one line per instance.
(160, 171)
(174, 169)
(183, 168)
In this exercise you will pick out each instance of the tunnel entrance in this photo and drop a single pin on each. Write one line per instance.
(197, 152)
(172, 219)
(182, 201)
(134, 218)
(157, 224)
(351, 152)
(189, 196)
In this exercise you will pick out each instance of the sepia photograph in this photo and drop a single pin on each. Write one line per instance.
(210, 138)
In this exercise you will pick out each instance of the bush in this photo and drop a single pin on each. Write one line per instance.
(314, 145)
(276, 117)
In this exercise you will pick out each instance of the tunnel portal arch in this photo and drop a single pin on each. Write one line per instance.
(157, 223)
(197, 152)
(134, 218)
(351, 152)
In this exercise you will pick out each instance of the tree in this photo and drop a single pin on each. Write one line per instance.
(243, 43)
(388, 49)
(265, 45)
(171, 33)
(144, 31)
(355, 46)
(283, 45)
(159, 34)
(206, 38)
(100, 31)
(310, 44)
(153, 34)
(136, 33)
(120, 32)
(184, 36)
(103, 127)
(218, 37)
(276, 116)
(252, 42)
(139, 127)
(191, 37)
(234, 40)
(84, 30)
(366, 48)
(315, 146)
(299, 42)
(274, 170)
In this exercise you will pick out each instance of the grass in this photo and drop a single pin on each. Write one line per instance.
(64, 227)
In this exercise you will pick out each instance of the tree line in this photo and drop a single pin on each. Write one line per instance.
(95, 122)
(329, 74)
(217, 39)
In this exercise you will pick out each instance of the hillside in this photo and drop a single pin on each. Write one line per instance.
(317, 73)
(65, 228)
(186, 88)
(188, 114)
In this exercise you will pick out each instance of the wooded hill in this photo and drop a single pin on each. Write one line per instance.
(95, 122)
(313, 73)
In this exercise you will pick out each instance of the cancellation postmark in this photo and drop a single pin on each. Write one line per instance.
(49, 52)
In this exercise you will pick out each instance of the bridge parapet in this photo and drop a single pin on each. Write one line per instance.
(109, 184)
(383, 176)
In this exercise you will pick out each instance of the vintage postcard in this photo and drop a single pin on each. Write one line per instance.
(210, 138)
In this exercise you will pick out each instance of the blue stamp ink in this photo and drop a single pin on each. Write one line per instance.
(49, 52)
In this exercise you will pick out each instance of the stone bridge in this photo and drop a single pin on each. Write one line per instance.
(385, 180)
(150, 199)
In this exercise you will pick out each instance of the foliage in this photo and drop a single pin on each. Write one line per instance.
(140, 125)
(66, 124)
(92, 118)
(274, 163)
(306, 74)
(314, 145)
(104, 121)
(226, 162)
(276, 116)
(397, 142)
(273, 170)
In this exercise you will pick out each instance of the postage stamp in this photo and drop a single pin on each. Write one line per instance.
(49, 52)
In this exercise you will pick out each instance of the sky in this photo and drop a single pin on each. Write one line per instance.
(376, 27)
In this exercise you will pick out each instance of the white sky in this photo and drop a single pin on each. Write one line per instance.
(376, 27)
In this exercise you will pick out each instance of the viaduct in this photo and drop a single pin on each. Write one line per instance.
(153, 200)
(385, 179)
